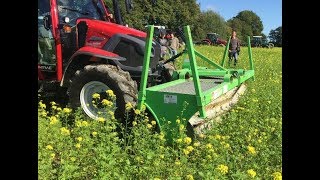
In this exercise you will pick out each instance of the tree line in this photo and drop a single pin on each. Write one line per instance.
(178, 13)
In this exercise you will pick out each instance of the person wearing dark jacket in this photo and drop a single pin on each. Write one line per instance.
(234, 48)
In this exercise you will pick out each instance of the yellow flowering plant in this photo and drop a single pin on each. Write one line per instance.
(245, 143)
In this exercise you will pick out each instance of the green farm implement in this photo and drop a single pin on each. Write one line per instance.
(195, 94)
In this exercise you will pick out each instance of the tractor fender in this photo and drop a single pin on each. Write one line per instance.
(87, 55)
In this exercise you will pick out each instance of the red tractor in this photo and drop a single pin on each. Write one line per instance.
(83, 49)
(214, 39)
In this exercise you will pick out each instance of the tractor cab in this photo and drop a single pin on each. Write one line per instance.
(256, 41)
(259, 41)
(212, 37)
(57, 31)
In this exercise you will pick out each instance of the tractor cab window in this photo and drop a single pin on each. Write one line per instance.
(74, 9)
(46, 44)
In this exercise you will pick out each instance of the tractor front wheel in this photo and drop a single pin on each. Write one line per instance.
(98, 79)
(270, 45)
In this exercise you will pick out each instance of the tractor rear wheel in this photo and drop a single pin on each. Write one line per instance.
(97, 79)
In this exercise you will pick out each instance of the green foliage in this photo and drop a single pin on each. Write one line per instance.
(246, 23)
(178, 13)
(275, 36)
(212, 22)
(245, 144)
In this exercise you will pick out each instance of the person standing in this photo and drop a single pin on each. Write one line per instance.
(174, 44)
(234, 48)
(163, 42)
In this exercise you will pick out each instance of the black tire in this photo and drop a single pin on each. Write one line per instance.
(270, 45)
(116, 79)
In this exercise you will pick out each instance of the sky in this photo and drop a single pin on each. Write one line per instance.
(269, 11)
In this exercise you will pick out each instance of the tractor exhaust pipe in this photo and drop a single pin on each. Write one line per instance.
(117, 13)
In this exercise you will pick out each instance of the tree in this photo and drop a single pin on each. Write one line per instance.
(211, 21)
(246, 23)
(275, 36)
(170, 13)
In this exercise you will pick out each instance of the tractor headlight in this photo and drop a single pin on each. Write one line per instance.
(66, 19)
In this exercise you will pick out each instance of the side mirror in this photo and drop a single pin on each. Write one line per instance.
(129, 6)
(47, 22)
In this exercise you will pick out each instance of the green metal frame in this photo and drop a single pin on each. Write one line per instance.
(168, 106)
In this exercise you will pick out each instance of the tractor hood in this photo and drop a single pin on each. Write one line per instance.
(109, 28)
(96, 33)
(126, 42)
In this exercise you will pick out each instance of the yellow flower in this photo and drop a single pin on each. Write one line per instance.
(101, 119)
(252, 150)
(181, 127)
(65, 131)
(190, 148)
(197, 144)
(43, 114)
(137, 111)
(161, 136)
(209, 146)
(179, 140)
(73, 159)
(94, 134)
(84, 123)
(161, 156)
(42, 106)
(149, 126)
(52, 155)
(49, 147)
(128, 106)
(53, 120)
(251, 173)
(78, 145)
(227, 145)
(106, 102)
(187, 140)
(189, 177)
(143, 107)
(134, 123)
(223, 169)
(277, 176)
(178, 163)
(153, 122)
(53, 103)
(66, 110)
(201, 135)
(186, 152)
(218, 136)
(78, 123)
(59, 109)
(110, 93)
(209, 157)
(79, 139)
(96, 96)
(54, 107)
(178, 121)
